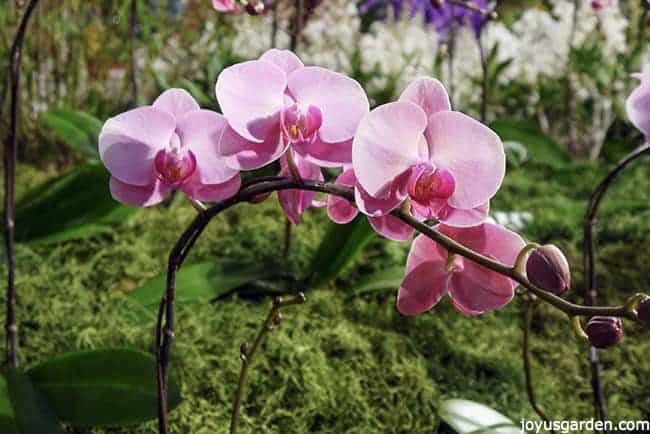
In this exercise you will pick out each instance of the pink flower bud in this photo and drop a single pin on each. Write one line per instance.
(644, 311)
(604, 331)
(548, 268)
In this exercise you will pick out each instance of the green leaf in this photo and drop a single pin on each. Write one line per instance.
(388, 279)
(195, 283)
(103, 388)
(7, 416)
(471, 417)
(541, 148)
(75, 205)
(78, 130)
(30, 411)
(516, 153)
(340, 245)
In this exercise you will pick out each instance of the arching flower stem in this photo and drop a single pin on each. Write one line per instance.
(166, 320)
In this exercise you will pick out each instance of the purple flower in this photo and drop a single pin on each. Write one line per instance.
(444, 19)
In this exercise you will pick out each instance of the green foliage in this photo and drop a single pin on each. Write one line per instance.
(75, 205)
(540, 147)
(31, 413)
(342, 363)
(195, 283)
(111, 388)
(340, 245)
(76, 129)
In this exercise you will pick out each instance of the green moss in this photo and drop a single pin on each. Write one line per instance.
(341, 365)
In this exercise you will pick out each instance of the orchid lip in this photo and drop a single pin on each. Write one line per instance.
(428, 184)
(301, 124)
(174, 164)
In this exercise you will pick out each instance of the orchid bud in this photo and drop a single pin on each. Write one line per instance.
(548, 268)
(644, 311)
(254, 7)
(604, 331)
(438, 4)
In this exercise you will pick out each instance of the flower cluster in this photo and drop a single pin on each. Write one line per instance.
(416, 154)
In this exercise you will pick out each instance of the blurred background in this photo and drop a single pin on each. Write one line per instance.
(551, 77)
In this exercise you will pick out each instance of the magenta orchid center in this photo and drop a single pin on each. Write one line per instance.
(175, 164)
(428, 184)
(300, 124)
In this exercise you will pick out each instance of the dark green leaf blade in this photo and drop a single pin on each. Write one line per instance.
(471, 417)
(103, 388)
(33, 413)
(75, 205)
(78, 130)
(195, 283)
(541, 148)
(7, 416)
(388, 279)
(340, 245)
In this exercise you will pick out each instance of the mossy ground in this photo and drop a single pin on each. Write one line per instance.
(340, 364)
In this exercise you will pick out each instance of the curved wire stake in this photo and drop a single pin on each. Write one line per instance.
(589, 253)
(10, 148)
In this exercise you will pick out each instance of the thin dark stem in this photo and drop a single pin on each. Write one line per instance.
(529, 310)
(160, 375)
(252, 189)
(133, 34)
(589, 257)
(287, 238)
(247, 354)
(484, 78)
(451, 51)
(569, 100)
(11, 145)
(296, 26)
(274, 25)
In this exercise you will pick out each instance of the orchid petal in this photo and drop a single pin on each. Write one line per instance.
(339, 209)
(473, 154)
(461, 217)
(341, 100)
(326, 154)
(429, 94)
(251, 95)
(211, 192)
(201, 131)
(387, 144)
(476, 289)
(283, 59)
(638, 107)
(128, 143)
(391, 227)
(139, 195)
(241, 154)
(176, 102)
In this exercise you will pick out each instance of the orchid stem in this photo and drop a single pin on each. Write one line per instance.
(10, 151)
(589, 254)
(166, 323)
(529, 310)
(272, 321)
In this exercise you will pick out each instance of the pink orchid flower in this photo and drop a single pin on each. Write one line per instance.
(599, 5)
(638, 103)
(473, 289)
(276, 102)
(227, 6)
(341, 211)
(171, 145)
(447, 164)
(295, 202)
